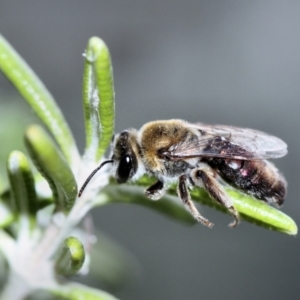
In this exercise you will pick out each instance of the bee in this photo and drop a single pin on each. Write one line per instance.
(200, 155)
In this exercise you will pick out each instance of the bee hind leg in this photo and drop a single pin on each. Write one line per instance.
(185, 197)
(203, 177)
(156, 191)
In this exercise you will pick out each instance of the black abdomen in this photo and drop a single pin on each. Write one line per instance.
(256, 177)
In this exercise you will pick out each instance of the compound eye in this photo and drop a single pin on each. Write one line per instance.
(124, 168)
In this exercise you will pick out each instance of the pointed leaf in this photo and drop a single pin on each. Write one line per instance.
(23, 191)
(52, 165)
(98, 99)
(7, 216)
(39, 98)
(250, 209)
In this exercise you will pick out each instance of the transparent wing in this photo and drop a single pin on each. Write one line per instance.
(230, 142)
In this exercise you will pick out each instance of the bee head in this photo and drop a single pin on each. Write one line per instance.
(125, 150)
(125, 155)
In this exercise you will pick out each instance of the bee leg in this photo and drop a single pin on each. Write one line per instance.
(185, 197)
(205, 178)
(155, 191)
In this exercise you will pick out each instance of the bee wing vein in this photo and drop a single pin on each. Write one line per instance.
(230, 142)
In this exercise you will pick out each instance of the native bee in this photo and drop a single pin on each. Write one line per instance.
(200, 155)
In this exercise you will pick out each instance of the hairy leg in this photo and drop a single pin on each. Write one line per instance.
(184, 195)
(204, 177)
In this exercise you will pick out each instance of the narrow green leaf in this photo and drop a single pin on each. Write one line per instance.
(23, 191)
(39, 98)
(71, 257)
(15, 115)
(250, 209)
(263, 214)
(52, 165)
(168, 205)
(75, 291)
(98, 99)
(7, 216)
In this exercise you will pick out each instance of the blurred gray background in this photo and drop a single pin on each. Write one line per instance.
(228, 62)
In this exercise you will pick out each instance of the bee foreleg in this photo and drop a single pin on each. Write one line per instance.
(156, 191)
(204, 178)
(184, 195)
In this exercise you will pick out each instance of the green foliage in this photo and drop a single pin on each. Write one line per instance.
(98, 99)
(52, 244)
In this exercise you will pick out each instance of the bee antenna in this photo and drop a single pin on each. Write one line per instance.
(92, 174)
